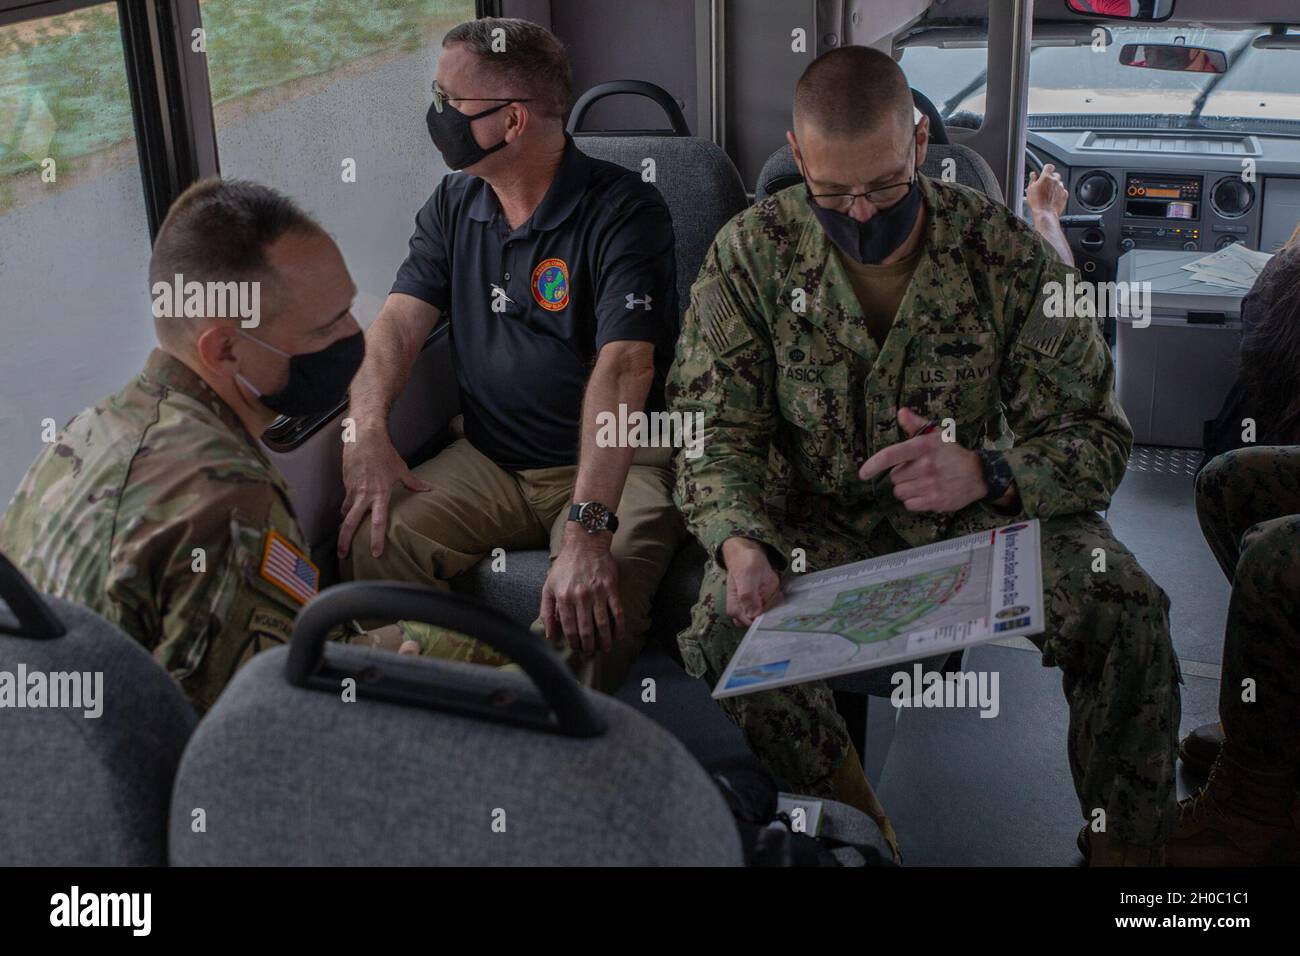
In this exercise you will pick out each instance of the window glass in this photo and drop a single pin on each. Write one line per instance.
(325, 100)
(74, 234)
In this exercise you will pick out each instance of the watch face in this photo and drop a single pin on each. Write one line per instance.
(594, 516)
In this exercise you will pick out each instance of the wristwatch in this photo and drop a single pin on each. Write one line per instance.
(997, 473)
(594, 517)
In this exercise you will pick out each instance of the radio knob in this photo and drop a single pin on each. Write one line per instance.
(1126, 244)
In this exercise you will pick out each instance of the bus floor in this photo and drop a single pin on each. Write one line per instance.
(968, 791)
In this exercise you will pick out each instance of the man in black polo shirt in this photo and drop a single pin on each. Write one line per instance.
(557, 273)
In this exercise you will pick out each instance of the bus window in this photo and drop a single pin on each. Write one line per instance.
(950, 66)
(326, 101)
(1258, 83)
(74, 233)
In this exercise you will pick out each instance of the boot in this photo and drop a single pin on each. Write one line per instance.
(1199, 749)
(1240, 817)
(1106, 849)
(850, 785)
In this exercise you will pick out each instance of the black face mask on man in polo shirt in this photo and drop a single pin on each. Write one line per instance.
(453, 135)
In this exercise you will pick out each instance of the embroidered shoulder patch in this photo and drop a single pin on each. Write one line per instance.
(1043, 331)
(720, 321)
(288, 568)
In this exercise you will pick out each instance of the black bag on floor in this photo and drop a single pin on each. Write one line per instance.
(768, 836)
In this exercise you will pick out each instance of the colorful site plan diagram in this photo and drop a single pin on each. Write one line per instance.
(897, 608)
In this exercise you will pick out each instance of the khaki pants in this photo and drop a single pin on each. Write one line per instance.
(475, 506)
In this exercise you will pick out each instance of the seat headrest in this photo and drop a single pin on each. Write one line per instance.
(967, 167)
(365, 782)
(87, 782)
(698, 181)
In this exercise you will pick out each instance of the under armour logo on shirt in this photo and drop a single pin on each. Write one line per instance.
(633, 302)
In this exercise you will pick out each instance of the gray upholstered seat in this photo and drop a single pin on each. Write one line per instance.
(968, 168)
(698, 181)
(294, 776)
(89, 791)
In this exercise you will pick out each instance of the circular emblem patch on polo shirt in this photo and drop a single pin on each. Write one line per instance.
(551, 284)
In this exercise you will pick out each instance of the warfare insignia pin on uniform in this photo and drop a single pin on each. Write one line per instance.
(288, 568)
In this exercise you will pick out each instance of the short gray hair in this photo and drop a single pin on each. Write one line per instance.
(527, 56)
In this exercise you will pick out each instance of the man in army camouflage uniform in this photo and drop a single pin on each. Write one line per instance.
(825, 331)
(157, 507)
(1248, 502)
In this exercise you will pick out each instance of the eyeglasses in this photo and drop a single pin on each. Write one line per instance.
(440, 98)
(882, 197)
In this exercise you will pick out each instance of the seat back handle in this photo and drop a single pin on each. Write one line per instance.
(636, 88)
(312, 661)
(35, 618)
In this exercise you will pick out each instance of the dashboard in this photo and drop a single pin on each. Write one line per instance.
(1193, 191)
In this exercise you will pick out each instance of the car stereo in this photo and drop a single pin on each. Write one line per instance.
(1162, 196)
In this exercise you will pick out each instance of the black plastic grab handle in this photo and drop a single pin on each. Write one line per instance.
(637, 88)
(35, 619)
(391, 677)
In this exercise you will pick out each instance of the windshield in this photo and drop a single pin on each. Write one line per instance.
(1259, 84)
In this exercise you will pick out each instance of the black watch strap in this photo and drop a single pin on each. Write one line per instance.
(997, 473)
(607, 522)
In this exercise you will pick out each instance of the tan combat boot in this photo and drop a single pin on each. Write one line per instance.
(1240, 818)
(1106, 849)
(850, 785)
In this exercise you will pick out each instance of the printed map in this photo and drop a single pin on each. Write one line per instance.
(897, 608)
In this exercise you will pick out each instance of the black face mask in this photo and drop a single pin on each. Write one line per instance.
(452, 135)
(318, 381)
(874, 240)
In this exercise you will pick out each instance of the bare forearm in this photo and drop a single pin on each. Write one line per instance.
(392, 344)
(602, 471)
(1048, 225)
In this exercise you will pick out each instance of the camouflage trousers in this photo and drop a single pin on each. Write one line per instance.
(1108, 632)
(1248, 502)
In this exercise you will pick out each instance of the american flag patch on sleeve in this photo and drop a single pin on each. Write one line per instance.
(720, 321)
(288, 568)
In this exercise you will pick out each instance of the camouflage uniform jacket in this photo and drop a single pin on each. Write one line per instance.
(777, 356)
(156, 509)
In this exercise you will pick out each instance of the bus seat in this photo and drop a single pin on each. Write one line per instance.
(698, 181)
(78, 790)
(970, 169)
(435, 763)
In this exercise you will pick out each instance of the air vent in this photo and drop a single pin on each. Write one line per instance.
(1171, 143)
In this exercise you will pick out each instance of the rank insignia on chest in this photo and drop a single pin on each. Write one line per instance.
(288, 568)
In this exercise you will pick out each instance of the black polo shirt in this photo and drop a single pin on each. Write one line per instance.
(593, 265)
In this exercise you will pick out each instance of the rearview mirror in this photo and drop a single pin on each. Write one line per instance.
(1147, 11)
(1173, 56)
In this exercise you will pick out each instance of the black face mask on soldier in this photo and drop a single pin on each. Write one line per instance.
(318, 381)
(453, 136)
(872, 241)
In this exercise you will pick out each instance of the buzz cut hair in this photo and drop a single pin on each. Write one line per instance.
(853, 90)
(218, 230)
(528, 59)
